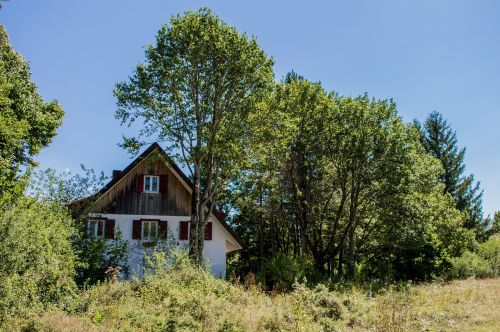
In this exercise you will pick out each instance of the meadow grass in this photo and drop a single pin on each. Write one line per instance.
(187, 299)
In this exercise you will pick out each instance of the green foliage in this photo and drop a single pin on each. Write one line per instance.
(485, 262)
(469, 265)
(97, 255)
(200, 81)
(27, 123)
(490, 251)
(76, 191)
(66, 187)
(183, 297)
(38, 261)
(494, 226)
(282, 271)
(345, 181)
(439, 139)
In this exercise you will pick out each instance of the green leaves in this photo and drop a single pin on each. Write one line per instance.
(38, 262)
(195, 91)
(27, 123)
(439, 140)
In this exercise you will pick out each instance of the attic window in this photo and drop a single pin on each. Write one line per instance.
(151, 183)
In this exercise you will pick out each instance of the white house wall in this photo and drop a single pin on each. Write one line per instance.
(214, 250)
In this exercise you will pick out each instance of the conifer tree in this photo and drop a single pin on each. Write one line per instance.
(440, 140)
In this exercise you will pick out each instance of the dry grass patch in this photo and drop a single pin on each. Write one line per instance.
(189, 300)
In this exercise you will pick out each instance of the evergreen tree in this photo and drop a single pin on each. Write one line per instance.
(440, 140)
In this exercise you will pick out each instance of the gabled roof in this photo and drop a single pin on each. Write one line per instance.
(141, 157)
(156, 147)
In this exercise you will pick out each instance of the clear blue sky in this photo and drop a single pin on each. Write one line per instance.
(427, 55)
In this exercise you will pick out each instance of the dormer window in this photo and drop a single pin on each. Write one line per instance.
(151, 183)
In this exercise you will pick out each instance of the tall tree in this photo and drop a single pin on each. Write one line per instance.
(27, 123)
(344, 181)
(440, 140)
(194, 92)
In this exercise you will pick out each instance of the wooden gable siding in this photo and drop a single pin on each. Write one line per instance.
(123, 197)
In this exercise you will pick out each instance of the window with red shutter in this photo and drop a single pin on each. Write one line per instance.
(96, 228)
(184, 230)
(149, 230)
(151, 183)
(208, 231)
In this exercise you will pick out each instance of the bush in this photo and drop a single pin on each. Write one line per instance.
(97, 255)
(282, 271)
(490, 251)
(469, 265)
(37, 259)
(484, 263)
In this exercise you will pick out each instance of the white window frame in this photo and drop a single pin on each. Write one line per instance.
(93, 228)
(151, 177)
(148, 237)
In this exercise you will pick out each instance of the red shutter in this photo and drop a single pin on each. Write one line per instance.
(163, 183)
(162, 226)
(136, 230)
(139, 183)
(208, 231)
(110, 229)
(184, 230)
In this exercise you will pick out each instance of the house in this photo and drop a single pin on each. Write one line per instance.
(151, 199)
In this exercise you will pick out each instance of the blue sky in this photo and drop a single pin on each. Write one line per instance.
(426, 55)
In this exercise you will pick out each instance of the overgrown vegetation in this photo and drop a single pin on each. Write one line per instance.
(342, 205)
(183, 297)
(38, 262)
(484, 262)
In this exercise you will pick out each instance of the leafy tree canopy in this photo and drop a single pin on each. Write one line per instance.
(27, 123)
(200, 81)
(439, 139)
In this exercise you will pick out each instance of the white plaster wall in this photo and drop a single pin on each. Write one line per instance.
(214, 250)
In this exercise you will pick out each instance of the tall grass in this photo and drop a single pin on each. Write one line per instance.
(177, 296)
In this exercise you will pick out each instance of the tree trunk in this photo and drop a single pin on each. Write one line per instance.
(351, 235)
(351, 251)
(194, 239)
(261, 231)
(340, 269)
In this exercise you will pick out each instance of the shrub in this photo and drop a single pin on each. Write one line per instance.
(484, 263)
(469, 265)
(97, 255)
(490, 251)
(282, 271)
(37, 259)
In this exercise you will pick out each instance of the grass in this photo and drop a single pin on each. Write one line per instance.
(185, 299)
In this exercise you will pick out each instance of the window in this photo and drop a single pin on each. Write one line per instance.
(101, 228)
(149, 230)
(97, 228)
(151, 183)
